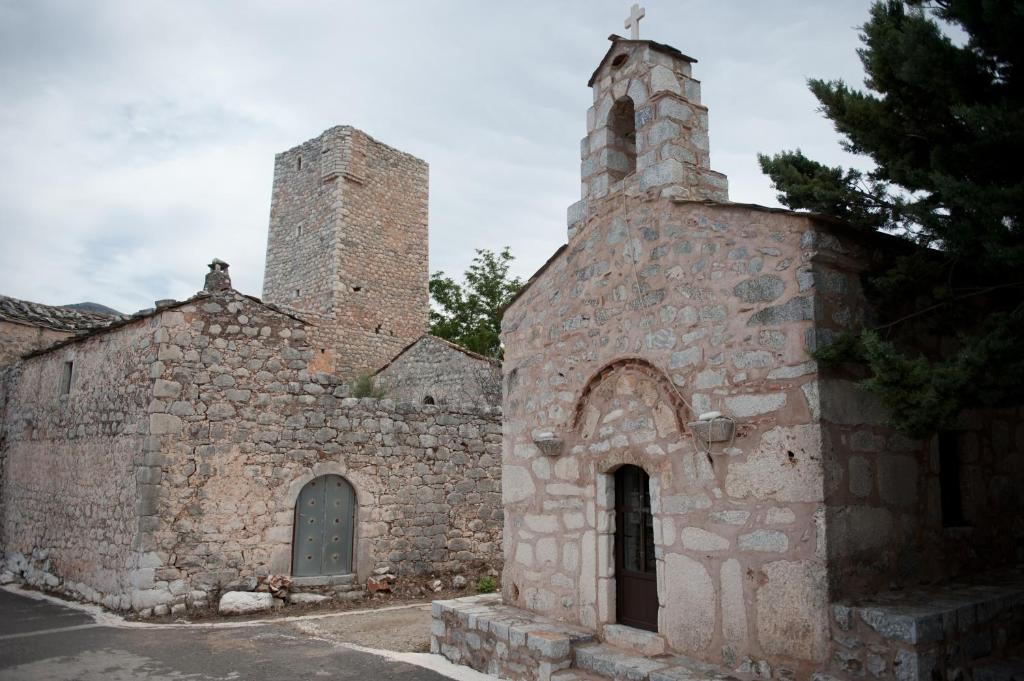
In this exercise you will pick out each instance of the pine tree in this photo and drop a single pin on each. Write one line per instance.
(942, 124)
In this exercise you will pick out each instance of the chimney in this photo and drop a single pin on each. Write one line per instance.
(217, 279)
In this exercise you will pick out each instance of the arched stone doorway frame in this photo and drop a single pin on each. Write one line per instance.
(281, 557)
(602, 546)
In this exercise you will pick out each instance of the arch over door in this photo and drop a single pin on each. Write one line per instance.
(324, 523)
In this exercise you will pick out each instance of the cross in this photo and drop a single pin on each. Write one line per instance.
(633, 22)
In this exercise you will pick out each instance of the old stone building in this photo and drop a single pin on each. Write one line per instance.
(27, 326)
(435, 371)
(347, 245)
(643, 541)
(205, 445)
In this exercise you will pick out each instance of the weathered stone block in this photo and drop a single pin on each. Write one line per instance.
(243, 602)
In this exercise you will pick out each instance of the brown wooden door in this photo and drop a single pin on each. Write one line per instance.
(636, 579)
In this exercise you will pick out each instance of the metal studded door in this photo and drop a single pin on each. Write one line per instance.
(324, 519)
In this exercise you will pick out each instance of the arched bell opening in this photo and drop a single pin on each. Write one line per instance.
(622, 139)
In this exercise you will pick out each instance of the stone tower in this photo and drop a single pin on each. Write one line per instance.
(347, 247)
(647, 132)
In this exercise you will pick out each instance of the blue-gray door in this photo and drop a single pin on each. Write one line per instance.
(324, 519)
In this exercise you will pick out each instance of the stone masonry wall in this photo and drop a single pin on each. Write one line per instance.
(884, 516)
(446, 374)
(20, 339)
(654, 307)
(245, 424)
(71, 489)
(348, 243)
(173, 468)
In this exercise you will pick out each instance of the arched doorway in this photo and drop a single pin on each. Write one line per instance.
(324, 522)
(636, 579)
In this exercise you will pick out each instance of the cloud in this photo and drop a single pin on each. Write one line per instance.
(138, 138)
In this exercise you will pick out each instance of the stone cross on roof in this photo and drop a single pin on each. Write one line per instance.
(633, 21)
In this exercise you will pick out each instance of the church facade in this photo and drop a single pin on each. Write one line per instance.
(687, 493)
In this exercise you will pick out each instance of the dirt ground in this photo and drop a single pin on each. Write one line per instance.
(405, 630)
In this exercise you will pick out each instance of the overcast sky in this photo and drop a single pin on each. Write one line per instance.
(137, 137)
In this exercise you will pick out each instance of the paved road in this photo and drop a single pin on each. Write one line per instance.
(42, 641)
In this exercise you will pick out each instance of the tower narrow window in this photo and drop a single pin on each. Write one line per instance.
(298, 166)
(621, 152)
(950, 493)
(65, 378)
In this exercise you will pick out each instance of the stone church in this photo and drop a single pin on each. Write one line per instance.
(687, 493)
(154, 460)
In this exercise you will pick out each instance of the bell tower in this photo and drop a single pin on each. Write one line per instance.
(647, 132)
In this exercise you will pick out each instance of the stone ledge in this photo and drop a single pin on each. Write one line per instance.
(324, 580)
(934, 632)
(927, 616)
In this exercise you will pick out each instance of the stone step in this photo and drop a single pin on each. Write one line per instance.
(639, 641)
(998, 669)
(616, 663)
(340, 588)
(610, 662)
(323, 580)
(576, 675)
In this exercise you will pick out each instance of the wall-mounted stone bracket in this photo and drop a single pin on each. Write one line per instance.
(718, 429)
(548, 442)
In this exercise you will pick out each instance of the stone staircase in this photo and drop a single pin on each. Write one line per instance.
(511, 643)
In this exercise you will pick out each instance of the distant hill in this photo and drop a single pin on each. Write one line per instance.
(95, 308)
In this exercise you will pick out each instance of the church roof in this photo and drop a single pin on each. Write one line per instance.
(658, 47)
(73, 318)
(162, 306)
(453, 346)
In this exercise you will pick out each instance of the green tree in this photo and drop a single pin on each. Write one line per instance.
(470, 314)
(942, 124)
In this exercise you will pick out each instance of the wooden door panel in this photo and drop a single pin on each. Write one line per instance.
(636, 583)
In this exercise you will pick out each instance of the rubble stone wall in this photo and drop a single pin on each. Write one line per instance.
(640, 323)
(432, 371)
(248, 424)
(20, 339)
(173, 468)
(70, 486)
(348, 243)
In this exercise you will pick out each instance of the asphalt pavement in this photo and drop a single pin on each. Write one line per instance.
(43, 641)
